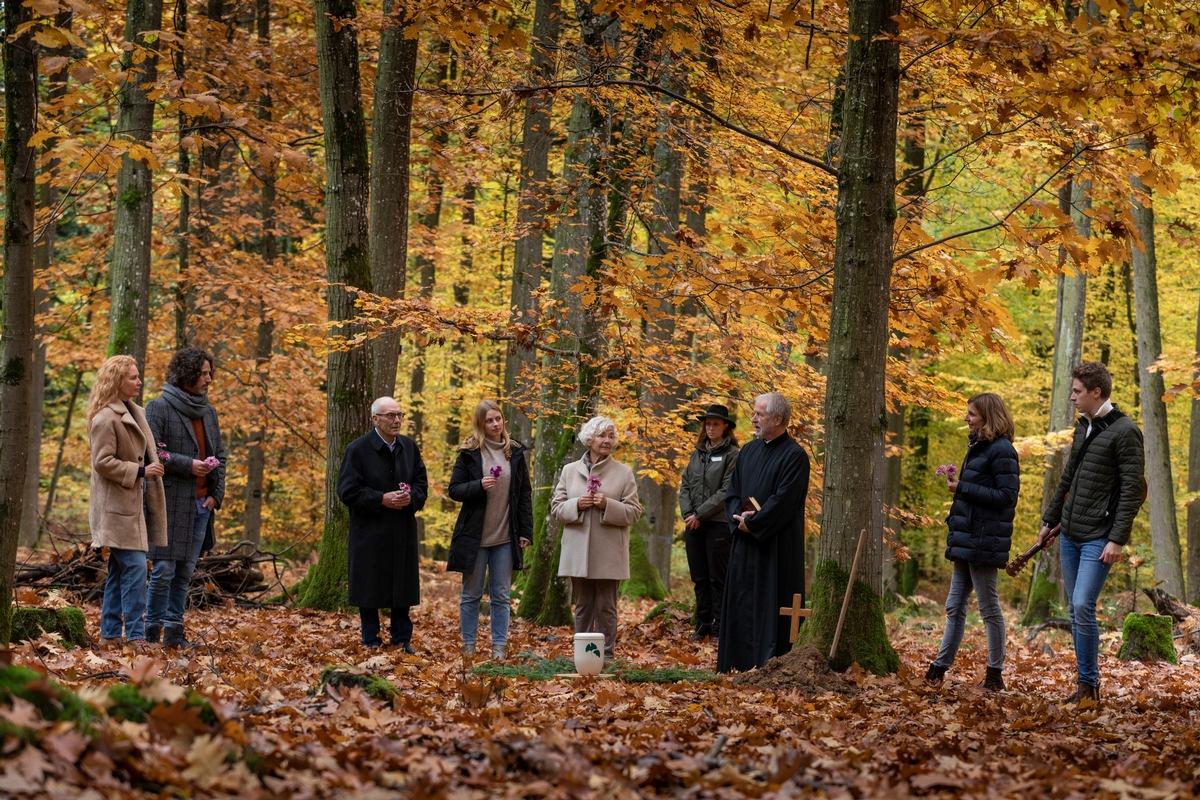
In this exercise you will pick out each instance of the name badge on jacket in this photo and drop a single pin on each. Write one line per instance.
(715, 459)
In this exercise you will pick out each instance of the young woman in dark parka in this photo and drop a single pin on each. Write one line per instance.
(980, 533)
(491, 480)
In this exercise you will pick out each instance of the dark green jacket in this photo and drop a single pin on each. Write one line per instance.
(706, 480)
(1100, 493)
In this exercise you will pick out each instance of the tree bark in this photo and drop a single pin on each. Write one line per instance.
(1193, 485)
(1045, 584)
(16, 315)
(1164, 528)
(536, 135)
(390, 150)
(580, 244)
(347, 266)
(133, 226)
(856, 416)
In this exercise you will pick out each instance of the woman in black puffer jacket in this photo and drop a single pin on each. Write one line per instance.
(980, 533)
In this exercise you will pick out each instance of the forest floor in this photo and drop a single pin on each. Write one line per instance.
(450, 732)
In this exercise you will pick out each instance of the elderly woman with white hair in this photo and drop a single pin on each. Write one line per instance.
(596, 500)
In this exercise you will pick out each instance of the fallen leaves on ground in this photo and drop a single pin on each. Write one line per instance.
(450, 733)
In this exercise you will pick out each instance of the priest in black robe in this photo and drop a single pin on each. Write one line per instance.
(766, 563)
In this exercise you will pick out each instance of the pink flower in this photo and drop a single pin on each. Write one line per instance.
(163, 455)
(948, 471)
(496, 470)
(405, 488)
(593, 484)
(212, 461)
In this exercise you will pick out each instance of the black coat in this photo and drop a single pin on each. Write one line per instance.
(383, 541)
(466, 486)
(175, 431)
(981, 518)
(766, 565)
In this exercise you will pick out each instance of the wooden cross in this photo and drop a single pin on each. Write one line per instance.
(795, 611)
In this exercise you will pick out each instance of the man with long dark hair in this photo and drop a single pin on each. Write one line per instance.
(186, 430)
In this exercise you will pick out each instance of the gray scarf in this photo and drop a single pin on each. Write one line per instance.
(192, 406)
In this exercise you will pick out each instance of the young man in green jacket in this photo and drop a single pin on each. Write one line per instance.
(1100, 493)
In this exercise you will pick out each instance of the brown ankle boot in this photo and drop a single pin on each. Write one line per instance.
(1083, 692)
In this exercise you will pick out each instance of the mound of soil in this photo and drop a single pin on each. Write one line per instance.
(801, 670)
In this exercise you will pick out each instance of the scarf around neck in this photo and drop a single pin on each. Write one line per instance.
(192, 406)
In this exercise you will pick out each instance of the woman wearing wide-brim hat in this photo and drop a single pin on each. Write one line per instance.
(706, 535)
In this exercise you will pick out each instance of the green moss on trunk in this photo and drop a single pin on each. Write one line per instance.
(864, 637)
(644, 579)
(1147, 637)
(1043, 594)
(28, 624)
(325, 587)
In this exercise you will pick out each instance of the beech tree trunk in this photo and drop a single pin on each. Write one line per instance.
(265, 339)
(579, 250)
(16, 315)
(536, 136)
(347, 264)
(855, 412)
(1164, 528)
(390, 149)
(133, 226)
(1045, 583)
(1193, 486)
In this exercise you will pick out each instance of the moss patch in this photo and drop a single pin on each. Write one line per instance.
(29, 623)
(668, 606)
(52, 701)
(375, 686)
(1043, 595)
(1147, 637)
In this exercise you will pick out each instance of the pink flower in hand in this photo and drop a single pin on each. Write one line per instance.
(947, 471)
(496, 470)
(405, 488)
(163, 455)
(593, 484)
(212, 461)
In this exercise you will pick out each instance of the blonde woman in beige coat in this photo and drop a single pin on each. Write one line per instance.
(596, 500)
(127, 507)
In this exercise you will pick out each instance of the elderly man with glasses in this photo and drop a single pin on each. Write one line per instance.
(382, 481)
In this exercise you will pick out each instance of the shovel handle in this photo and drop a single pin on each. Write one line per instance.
(837, 632)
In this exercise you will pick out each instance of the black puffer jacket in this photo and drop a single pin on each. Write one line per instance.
(981, 518)
(1100, 494)
(466, 486)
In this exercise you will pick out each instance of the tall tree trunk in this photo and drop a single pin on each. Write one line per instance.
(16, 314)
(536, 137)
(133, 227)
(579, 250)
(1164, 528)
(62, 444)
(1045, 584)
(858, 339)
(1193, 485)
(183, 224)
(390, 149)
(264, 343)
(462, 298)
(347, 264)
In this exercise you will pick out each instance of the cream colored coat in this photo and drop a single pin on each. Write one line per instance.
(121, 442)
(595, 542)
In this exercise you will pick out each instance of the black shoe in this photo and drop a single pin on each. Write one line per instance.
(1083, 692)
(173, 636)
(375, 645)
(407, 648)
(935, 674)
(994, 682)
(700, 634)
(154, 634)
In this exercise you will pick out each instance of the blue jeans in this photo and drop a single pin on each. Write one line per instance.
(1083, 578)
(982, 580)
(170, 578)
(124, 595)
(497, 563)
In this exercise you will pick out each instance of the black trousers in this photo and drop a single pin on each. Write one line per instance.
(401, 626)
(708, 560)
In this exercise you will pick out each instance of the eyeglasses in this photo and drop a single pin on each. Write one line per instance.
(391, 415)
